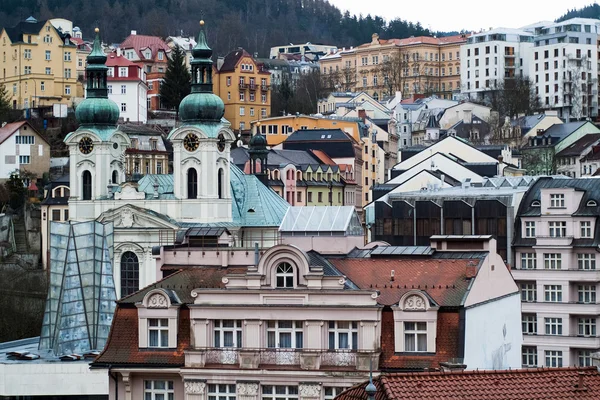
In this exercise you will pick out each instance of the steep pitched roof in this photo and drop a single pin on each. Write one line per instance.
(576, 148)
(561, 131)
(445, 281)
(141, 42)
(9, 129)
(530, 384)
(334, 142)
(231, 59)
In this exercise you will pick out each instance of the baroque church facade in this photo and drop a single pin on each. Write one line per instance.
(204, 191)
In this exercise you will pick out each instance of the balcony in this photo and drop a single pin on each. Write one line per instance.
(252, 86)
(243, 86)
(581, 342)
(306, 359)
(571, 275)
(264, 88)
(553, 241)
(571, 308)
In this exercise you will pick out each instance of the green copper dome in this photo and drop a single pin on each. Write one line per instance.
(201, 105)
(97, 111)
(258, 142)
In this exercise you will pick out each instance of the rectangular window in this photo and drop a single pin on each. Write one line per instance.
(123, 107)
(586, 293)
(552, 261)
(528, 261)
(299, 196)
(68, 89)
(320, 197)
(109, 89)
(68, 73)
(279, 392)
(557, 228)
(529, 357)
(123, 89)
(553, 326)
(586, 229)
(557, 200)
(27, 54)
(158, 332)
(242, 111)
(529, 324)
(332, 392)
(228, 81)
(285, 334)
(584, 358)
(55, 215)
(228, 333)
(25, 139)
(24, 160)
(27, 70)
(586, 327)
(161, 55)
(586, 261)
(159, 390)
(553, 293)
(415, 336)
(242, 96)
(159, 167)
(554, 358)
(48, 55)
(123, 71)
(48, 71)
(67, 56)
(343, 335)
(221, 392)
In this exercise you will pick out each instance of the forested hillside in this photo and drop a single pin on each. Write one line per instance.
(253, 24)
(591, 11)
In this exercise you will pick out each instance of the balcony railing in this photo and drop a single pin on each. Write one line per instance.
(243, 86)
(307, 359)
(252, 86)
(264, 88)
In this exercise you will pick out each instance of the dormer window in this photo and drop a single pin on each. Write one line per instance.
(158, 319)
(415, 323)
(415, 336)
(557, 200)
(535, 203)
(592, 203)
(161, 55)
(284, 275)
(158, 332)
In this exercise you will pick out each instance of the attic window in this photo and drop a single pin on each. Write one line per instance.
(251, 210)
(535, 203)
(592, 203)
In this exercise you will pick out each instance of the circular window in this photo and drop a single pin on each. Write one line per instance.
(115, 146)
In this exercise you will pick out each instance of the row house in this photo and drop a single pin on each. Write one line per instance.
(127, 87)
(151, 53)
(573, 161)
(556, 242)
(297, 325)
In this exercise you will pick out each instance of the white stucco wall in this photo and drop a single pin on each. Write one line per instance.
(493, 335)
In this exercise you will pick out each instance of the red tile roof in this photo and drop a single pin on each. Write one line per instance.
(323, 157)
(521, 384)
(7, 130)
(118, 61)
(446, 281)
(141, 42)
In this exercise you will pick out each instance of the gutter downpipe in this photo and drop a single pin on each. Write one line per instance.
(116, 382)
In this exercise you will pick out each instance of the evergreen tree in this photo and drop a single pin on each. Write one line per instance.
(4, 104)
(177, 82)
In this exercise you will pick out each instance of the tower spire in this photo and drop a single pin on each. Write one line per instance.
(201, 64)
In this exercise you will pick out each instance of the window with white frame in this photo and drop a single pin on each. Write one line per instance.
(586, 261)
(343, 335)
(529, 229)
(221, 392)
(24, 160)
(161, 55)
(553, 293)
(25, 139)
(67, 56)
(586, 293)
(552, 261)
(528, 292)
(159, 390)
(68, 89)
(242, 111)
(529, 324)
(48, 55)
(48, 71)
(586, 229)
(557, 200)
(123, 89)
(553, 326)
(528, 261)
(586, 327)
(529, 357)
(227, 333)
(557, 228)
(123, 107)
(284, 275)
(158, 332)
(415, 336)
(285, 334)
(584, 358)
(332, 391)
(123, 71)
(109, 87)
(554, 358)
(279, 392)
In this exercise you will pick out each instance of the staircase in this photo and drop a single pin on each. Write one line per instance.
(20, 235)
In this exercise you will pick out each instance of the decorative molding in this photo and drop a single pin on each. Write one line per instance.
(194, 294)
(194, 387)
(247, 389)
(312, 390)
(191, 161)
(414, 302)
(158, 301)
(225, 280)
(129, 192)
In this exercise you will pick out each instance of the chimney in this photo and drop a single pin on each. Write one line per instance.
(453, 365)
(540, 132)
(155, 188)
(362, 114)
(118, 52)
(392, 274)
(467, 117)
(375, 39)
(134, 32)
(596, 360)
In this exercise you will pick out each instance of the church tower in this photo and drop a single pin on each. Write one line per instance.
(96, 151)
(201, 145)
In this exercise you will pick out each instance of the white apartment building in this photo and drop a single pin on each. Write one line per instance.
(127, 87)
(556, 242)
(488, 58)
(564, 66)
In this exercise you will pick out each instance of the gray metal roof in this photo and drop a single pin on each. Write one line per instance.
(321, 219)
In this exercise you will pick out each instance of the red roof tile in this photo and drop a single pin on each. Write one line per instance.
(521, 384)
(9, 129)
(118, 61)
(140, 42)
(446, 281)
(323, 157)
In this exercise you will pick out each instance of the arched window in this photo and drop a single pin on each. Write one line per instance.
(220, 182)
(284, 275)
(130, 273)
(86, 185)
(192, 183)
(115, 177)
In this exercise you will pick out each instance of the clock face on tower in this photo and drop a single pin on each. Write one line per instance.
(86, 145)
(221, 143)
(191, 142)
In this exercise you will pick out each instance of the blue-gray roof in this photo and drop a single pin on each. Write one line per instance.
(561, 131)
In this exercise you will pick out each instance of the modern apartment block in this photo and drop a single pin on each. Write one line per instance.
(564, 66)
(556, 241)
(491, 57)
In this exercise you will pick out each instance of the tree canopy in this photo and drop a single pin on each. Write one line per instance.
(176, 84)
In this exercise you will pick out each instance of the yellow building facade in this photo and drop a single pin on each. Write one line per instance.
(39, 65)
(244, 88)
(277, 129)
(418, 65)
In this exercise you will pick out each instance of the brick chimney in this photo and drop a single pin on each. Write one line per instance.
(362, 114)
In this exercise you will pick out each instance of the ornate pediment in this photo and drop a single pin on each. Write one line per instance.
(129, 216)
(129, 192)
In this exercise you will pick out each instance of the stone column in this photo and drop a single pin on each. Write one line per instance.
(247, 390)
(309, 391)
(195, 389)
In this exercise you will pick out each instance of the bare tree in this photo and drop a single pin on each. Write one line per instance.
(577, 85)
